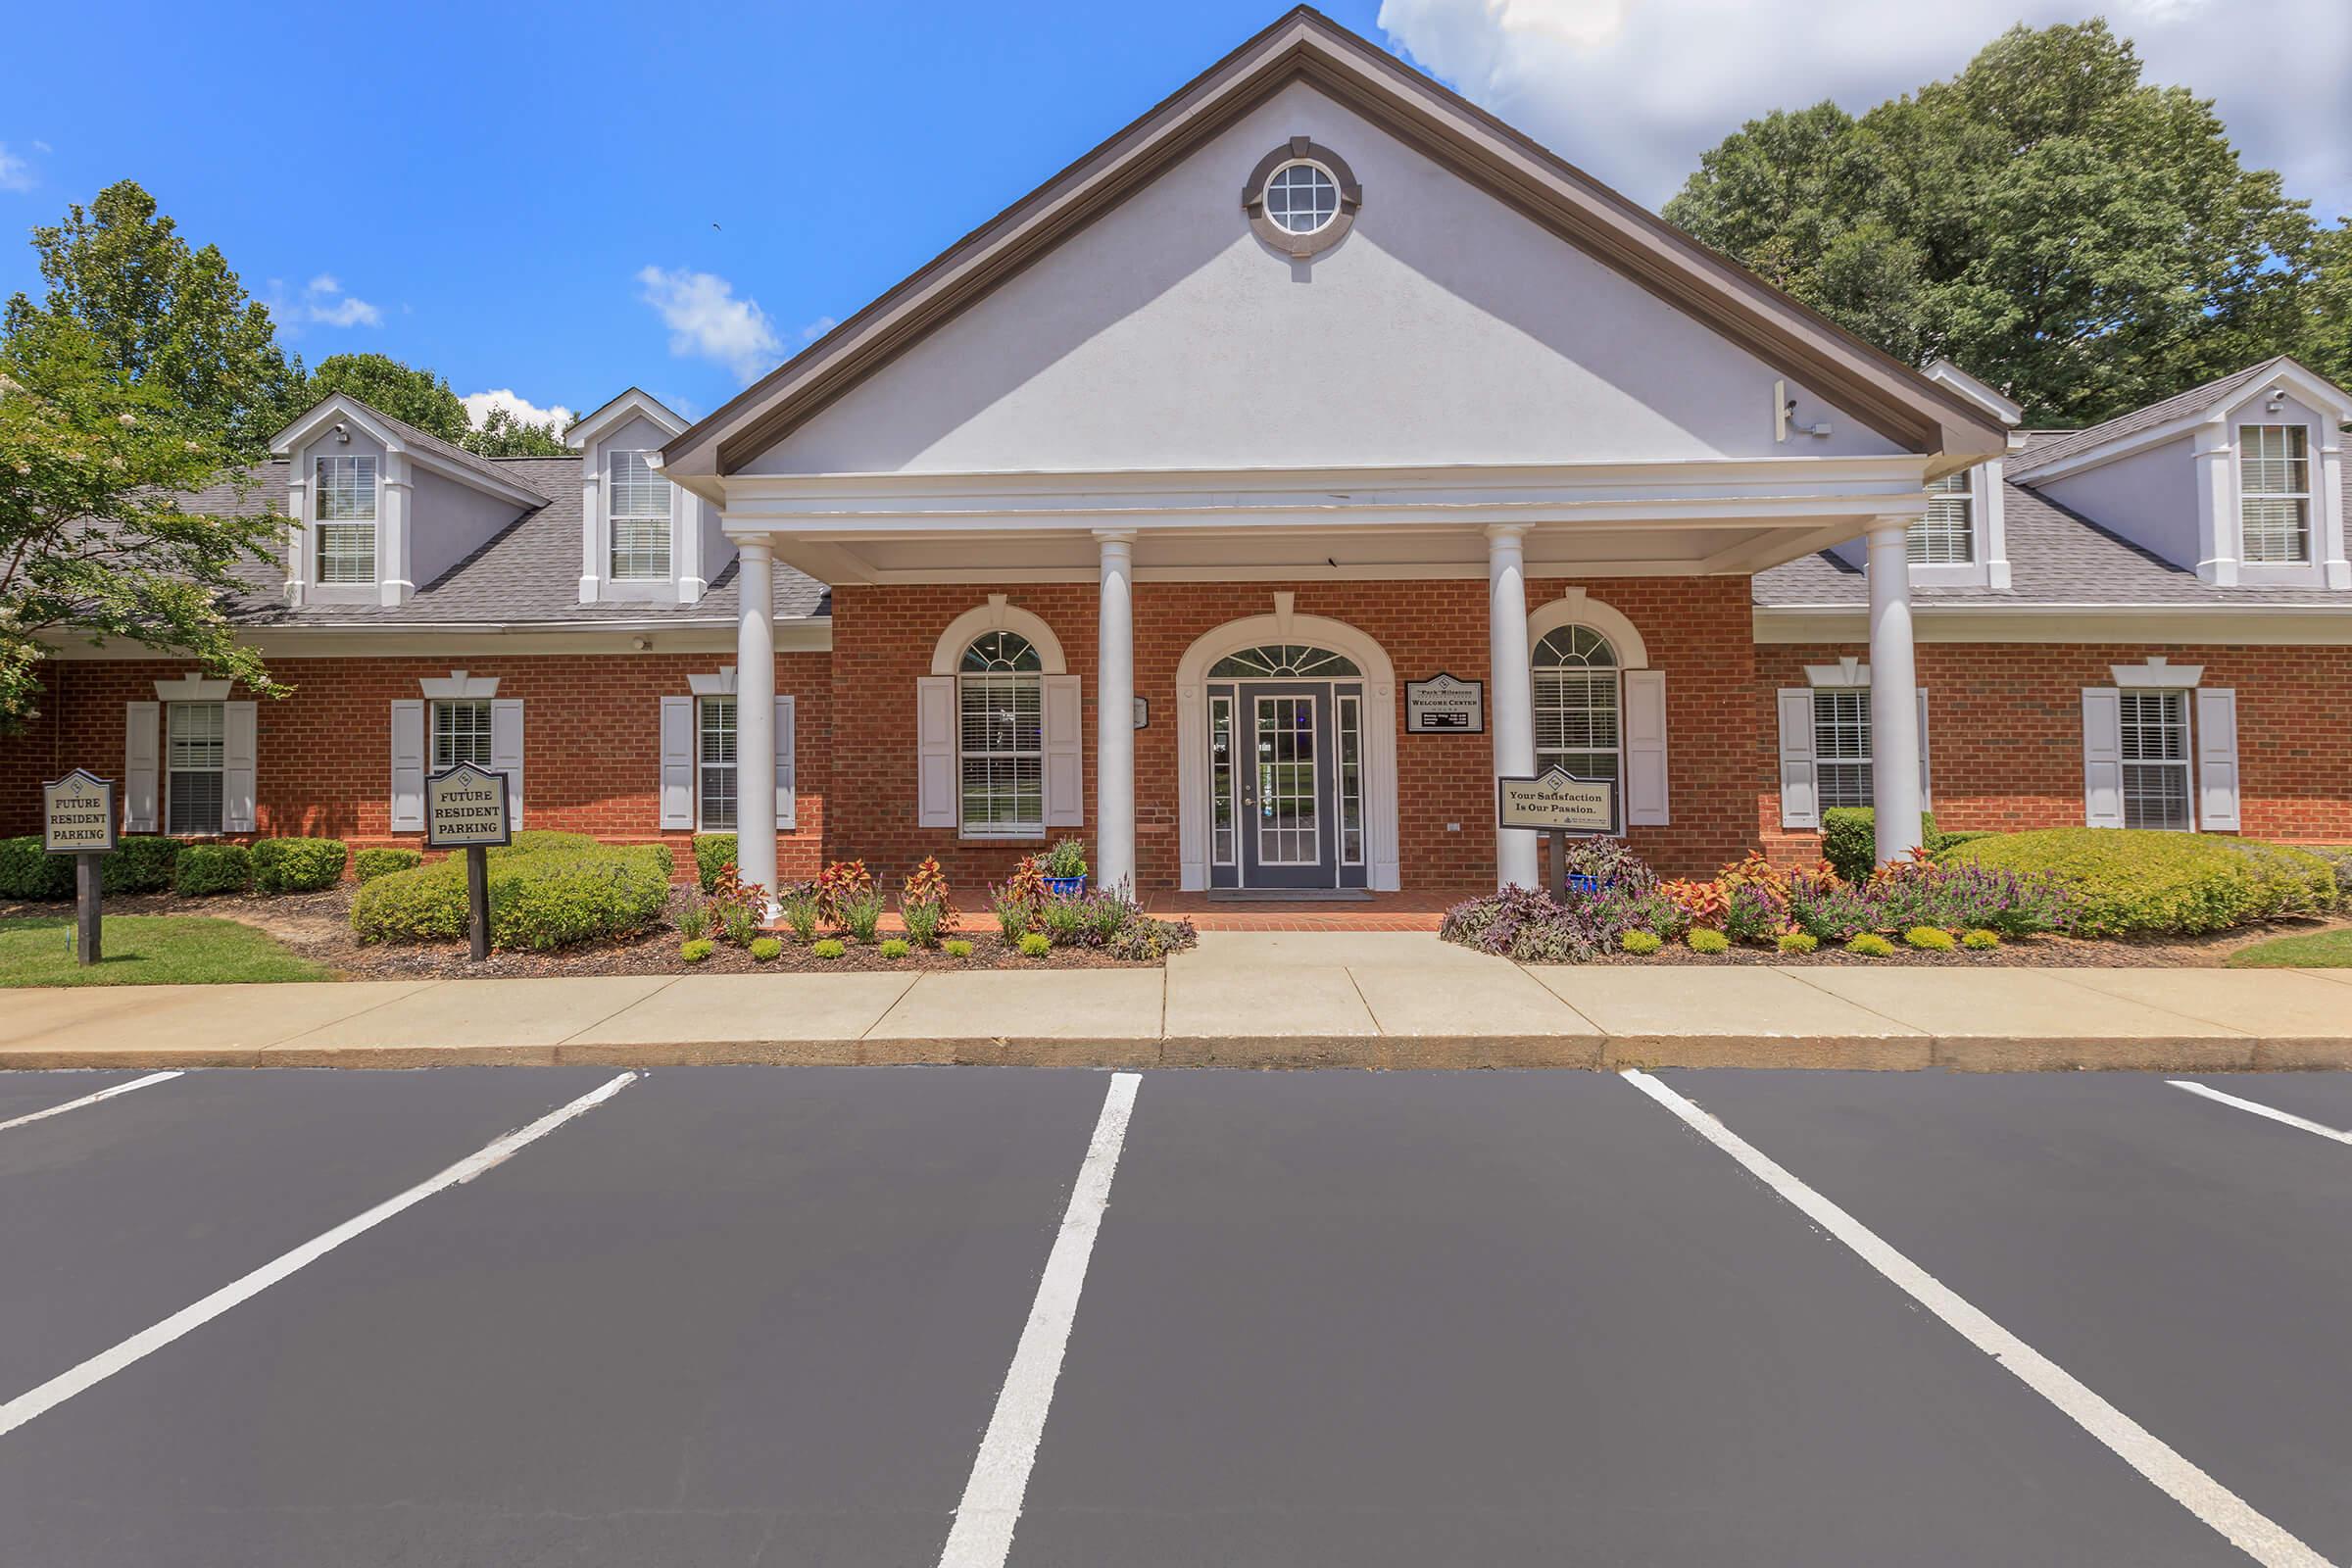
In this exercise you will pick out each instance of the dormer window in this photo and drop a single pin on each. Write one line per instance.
(346, 518)
(2273, 477)
(1945, 536)
(640, 518)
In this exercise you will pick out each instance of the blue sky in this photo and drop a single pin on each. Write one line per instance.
(558, 201)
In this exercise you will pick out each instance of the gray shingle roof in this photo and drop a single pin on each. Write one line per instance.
(497, 468)
(2178, 405)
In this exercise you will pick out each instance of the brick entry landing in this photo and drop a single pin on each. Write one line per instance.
(1418, 910)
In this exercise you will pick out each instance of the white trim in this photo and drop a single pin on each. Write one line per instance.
(2312, 390)
(1575, 608)
(192, 689)
(996, 614)
(2157, 673)
(1846, 673)
(458, 685)
(1380, 723)
(718, 683)
(345, 408)
(632, 403)
(1982, 394)
(2270, 626)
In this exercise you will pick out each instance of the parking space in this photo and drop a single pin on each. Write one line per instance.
(25, 1094)
(767, 1314)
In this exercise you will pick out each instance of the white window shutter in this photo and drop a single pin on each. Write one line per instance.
(677, 762)
(505, 750)
(141, 723)
(1065, 754)
(2102, 756)
(1927, 795)
(1644, 748)
(407, 766)
(788, 794)
(935, 750)
(240, 745)
(1800, 780)
(2216, 759)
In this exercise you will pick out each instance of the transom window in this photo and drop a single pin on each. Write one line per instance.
(460, 732)
(1944, 536)
(2274, 472)
(2155, 737)
(1842, 745)
(346, 517)
(196, 747)
(715, 770)
(1270, 660)
(640, 514)
(1579, 704)
(1000, 742)
(1302, 197)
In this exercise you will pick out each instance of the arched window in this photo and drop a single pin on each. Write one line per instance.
(1283, 658)
(1578, 703)
(1000, 746)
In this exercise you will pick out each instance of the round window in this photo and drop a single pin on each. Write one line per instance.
(1302, 197)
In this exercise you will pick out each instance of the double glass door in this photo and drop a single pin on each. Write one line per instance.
(1286, 784)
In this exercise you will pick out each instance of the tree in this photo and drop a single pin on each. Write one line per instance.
(386, 385)
(160, 315)
(2045, 220)
(92, 537)
(2332, 304)
(503, 435)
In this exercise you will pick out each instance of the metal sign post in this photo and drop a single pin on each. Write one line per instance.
(78, 818)
(1557, 804)
(468, 808)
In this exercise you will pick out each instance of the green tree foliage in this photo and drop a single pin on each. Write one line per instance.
(159, 315)
(2331, 350)
(386, 385)
(92, 537)
(503, 435)
(2044, 219)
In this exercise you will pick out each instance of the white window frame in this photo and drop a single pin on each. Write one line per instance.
(1012, 682)
(631, 523)
(1953, 495)
(324, 492)
(705, 766)
(2184, 764)
(174, 713)
(1313, 166)
(439, 756)
(2300, 497)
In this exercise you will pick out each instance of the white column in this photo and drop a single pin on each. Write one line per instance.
(1893, 693)
(1114, 715)
(1512, 698)
(755, 718)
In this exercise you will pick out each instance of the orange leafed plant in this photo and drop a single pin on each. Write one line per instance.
(1704, 902)
(926, 888)
(839, 881)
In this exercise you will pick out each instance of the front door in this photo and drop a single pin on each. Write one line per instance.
(1282, 756)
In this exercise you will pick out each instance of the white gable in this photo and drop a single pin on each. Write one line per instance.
(1444, 328)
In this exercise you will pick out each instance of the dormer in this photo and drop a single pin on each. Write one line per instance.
(643, 540)
(382, 506)
(1963, 540)
(2241, 479)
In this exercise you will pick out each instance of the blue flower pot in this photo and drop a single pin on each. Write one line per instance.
(1066, 887)
(1589, 886)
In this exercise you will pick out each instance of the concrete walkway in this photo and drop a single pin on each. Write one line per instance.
(1290, 998)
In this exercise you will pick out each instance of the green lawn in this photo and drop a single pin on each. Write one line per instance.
(2318, 949)
(146, 949)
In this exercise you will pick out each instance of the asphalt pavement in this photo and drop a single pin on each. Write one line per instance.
(802, 1315)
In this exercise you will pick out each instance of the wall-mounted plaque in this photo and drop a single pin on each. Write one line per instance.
(1445, 705)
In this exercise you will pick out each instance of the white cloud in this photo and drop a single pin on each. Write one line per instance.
(1635, 90)
(324, 302)
(817, 329)
(16, 174)
(705, 318)
(480, 404)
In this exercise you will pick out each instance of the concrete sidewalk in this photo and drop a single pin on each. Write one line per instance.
(1294, 1000)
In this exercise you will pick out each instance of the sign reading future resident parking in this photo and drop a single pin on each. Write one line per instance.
(1445, 705)
(78, 815)
(1557, 802)
(465, 808)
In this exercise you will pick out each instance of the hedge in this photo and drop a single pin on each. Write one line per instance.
(139, 865)
(27, 872)
(711, 852)
(2127, 882)
(1849, 840)
(369, 865)
(297, 865)
(202, 871)
(548, 889)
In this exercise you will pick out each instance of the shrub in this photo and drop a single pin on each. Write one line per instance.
(1036, 945)
(1027, 881)
(697, 951)
(1930, 939)
(829, 947)
(839, 880)
(550, 896)
(369, 865)
(1700, 902)
(1980, 940)
(711, 852)
(542, 841)
(1528, 925)
(26, 871)
(1849, 839)
(739, 923)
(297, 865)
(206, 870)
(1608, 862)
(923, 903)
(1640, 944)
(1703, 940)
(764, 949)
(800, 907)
(1798, 943)
(1067, 857)
(1870, 945)
(736, 905)
(896, 947)
(2125, 882)
(1015, 911)
(141, 865)
(1147, 940)
(860, 914)
(1108, 911)
(1946, 842)
(694, 920)
(957, 949)
(1064, 919)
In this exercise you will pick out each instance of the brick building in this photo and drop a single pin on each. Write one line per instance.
(1142, 512)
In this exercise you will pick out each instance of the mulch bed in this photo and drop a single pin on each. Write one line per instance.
(2208, 952)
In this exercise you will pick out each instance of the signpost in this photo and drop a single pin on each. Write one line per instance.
(1556, 802)
(78, 818)
(1445, 705)
(467, 807)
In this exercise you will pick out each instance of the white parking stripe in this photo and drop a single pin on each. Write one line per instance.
(106, 1363)
(2260, 1110)
(89, 1099)
(2253, 1533)
(982, 1536)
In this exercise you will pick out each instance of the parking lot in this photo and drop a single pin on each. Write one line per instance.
(798, 1317)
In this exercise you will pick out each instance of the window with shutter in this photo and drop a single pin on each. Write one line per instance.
(1842, 745)
(715, 768)
(1001, 748)
(460, 732)
(194, 747)
(640, 516)
(2155, 757)
(1579, 704)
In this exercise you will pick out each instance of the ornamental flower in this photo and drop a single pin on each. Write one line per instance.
(125, 420)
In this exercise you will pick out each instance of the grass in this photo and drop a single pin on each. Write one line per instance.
(2316, 949)
(147, 949)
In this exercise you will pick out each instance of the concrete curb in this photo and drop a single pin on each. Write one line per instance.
(1972, 1053)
